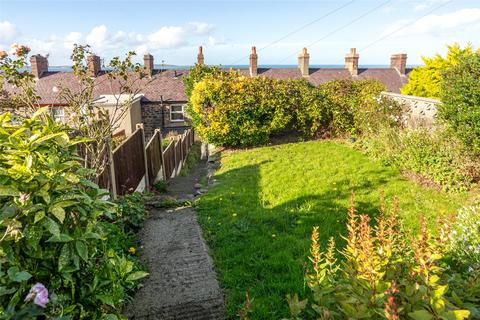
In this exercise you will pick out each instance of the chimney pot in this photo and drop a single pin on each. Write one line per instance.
(200, 58)
(148, 64)
(39, 65)
(351, 61)
(398, 61)
(253, 62)
(93, 65)
(304, 62)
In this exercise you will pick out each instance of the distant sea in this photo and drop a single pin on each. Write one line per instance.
(242, 66)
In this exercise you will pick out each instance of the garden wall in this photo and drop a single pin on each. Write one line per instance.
(422, 111)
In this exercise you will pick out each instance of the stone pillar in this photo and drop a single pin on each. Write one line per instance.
(253, 63)
(304, 63)
(200, 58)
(398, 61)
(351, 61)
(93, 64)
(148, 64)
(39, 65)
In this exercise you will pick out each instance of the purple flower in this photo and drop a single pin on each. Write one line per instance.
(39, 294)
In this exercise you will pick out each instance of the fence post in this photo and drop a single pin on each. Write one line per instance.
(111, 169)
(174, 145)
(162, 159)
(141, 127)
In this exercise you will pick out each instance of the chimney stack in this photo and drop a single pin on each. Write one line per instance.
(253, 63)
(39, 65)
(304, 62)
(351, 62)
(148, 64)
(93, 64)
(399, 61)
(200, 58)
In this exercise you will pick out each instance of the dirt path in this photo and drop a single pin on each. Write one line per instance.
(182, 282)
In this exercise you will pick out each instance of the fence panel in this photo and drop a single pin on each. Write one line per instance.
(178, 155)
(129, 163)
(154, 157)
(169, 157)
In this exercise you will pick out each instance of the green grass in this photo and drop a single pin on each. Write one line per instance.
(257, 220)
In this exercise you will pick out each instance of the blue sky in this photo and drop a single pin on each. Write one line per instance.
(172, 30)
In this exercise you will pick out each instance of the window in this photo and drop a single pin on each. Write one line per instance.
(58, 114)
(176, 113)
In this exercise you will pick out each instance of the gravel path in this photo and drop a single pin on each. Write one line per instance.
(182, 282)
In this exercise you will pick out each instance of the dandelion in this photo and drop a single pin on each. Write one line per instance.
(39, 294)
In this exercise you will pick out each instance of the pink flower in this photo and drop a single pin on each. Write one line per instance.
(20, 50)
(39, 294)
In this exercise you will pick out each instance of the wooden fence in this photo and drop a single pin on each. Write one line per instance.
(136, 164)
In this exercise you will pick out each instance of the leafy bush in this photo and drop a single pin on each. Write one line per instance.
(356, 107)
(385, 272)
(426, 81)
(232, 110)
(50, 228)
(131, 211)
(196, 74)
(437, 155)
(461, 100)
(465, 238)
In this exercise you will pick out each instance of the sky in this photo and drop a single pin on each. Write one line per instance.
(172, 30)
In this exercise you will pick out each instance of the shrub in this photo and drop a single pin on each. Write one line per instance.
(356, 106)
(50, 228)
(385, 273)
(437, 155)
(232, 110)
(465, 238)
(461, 100)
(196, 74)
(426, 81)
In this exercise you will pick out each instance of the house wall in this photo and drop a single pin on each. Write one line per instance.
(156, 117)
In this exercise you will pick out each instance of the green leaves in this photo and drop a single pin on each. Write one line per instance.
(82, 250)
(16, 275)
(420, 315)
(6, 191)
(137, 275)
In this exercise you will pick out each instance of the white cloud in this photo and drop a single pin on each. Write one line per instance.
(167, 37)
(8, 31)
(97, 36)
(420, 6)
(213, 41)
(437, 24)
(200, 28)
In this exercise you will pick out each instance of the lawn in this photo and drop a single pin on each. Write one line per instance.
(257, 220)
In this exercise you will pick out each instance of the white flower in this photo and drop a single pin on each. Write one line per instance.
(55, 89)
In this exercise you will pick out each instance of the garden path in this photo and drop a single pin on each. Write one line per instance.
(182, 282)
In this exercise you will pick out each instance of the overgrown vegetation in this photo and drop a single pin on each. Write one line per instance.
(385, 272)
(426, 81)
(257, 218)
(54, 228)
(229, 109)
(460, 108)
(436, 155)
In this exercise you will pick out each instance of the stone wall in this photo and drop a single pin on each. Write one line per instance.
(156, 116)
(421, 111)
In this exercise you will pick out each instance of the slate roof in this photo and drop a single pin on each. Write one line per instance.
(168, 85)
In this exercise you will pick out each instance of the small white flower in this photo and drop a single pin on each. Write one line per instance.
(55, 89)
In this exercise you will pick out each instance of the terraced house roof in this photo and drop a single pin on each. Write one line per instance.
(167, 85)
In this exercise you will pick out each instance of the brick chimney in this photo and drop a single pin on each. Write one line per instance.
(148, 64)
(93, 64)
(304, 62)
(399, 61)
(39, 65)
(253, 62)
(200, 58)
(351, 61)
